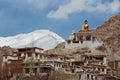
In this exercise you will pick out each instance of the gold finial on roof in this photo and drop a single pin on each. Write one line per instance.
(85, 25)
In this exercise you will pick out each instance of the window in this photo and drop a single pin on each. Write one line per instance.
(34, 70)
(36, 55)
(81, 38)
(27, 70)
(69, 42)
(81, 41)
(5, 56)
(29, 55)
(88, 37)
(19, 54)
(87, 76)
(102, 69)
(92, 77)
(79, 76)
(75, 41)
(99, 58)
(98, 69)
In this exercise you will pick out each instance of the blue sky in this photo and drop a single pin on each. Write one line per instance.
(59, 16)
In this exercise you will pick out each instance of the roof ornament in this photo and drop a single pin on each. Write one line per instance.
(85, 26)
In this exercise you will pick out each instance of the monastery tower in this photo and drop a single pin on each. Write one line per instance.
(84, 38)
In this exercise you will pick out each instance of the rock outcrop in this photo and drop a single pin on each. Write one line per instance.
(109, 33)
(77, 51)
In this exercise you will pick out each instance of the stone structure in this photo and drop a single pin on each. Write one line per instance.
(33, 58)
(84, 37)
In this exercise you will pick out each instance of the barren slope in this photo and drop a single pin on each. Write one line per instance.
(109, 33)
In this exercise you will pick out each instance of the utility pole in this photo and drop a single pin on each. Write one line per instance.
(32, 57)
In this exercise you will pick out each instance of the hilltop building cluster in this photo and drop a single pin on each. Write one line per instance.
(34, 60)
(83, 38)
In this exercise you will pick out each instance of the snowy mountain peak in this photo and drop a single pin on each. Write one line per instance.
(40, 38)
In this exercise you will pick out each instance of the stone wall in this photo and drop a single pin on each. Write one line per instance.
(89, 44)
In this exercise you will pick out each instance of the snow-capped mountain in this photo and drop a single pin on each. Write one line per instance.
(40, 38)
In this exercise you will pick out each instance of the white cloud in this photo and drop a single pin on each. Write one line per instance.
(75, 6)
(30, 4)
(35, 5)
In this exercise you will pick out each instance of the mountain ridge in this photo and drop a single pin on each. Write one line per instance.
(109, 33)
(36, 38)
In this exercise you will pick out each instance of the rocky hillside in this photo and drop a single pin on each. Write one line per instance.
(109, 33)
(77, 51)
(66, 51)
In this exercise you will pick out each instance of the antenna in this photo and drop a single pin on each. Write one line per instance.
(32, 52)
(32, 44)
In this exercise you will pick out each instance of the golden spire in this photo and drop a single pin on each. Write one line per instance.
(85, 26)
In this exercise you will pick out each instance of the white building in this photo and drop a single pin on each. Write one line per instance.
(83, 38)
